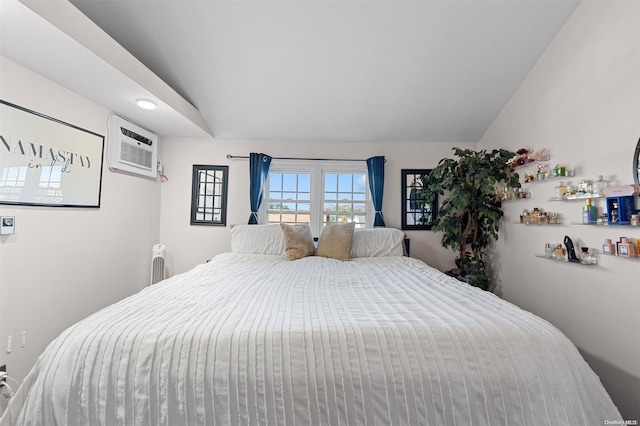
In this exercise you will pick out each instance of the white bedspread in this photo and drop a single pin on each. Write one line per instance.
(257, 339)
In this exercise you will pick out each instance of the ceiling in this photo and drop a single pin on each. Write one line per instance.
(334, 70)
(55, 40)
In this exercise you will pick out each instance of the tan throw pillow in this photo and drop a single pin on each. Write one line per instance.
(298, 241)
(335, 241)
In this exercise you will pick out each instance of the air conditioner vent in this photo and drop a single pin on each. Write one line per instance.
(134, 135)
(135, 156)
(132, 149)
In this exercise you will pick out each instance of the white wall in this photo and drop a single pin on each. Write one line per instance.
(581, 100)
(63, 264)
(189, 245)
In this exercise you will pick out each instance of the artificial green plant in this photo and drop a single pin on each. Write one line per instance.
(469, 217)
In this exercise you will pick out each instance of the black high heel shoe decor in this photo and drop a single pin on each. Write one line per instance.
(571, 252)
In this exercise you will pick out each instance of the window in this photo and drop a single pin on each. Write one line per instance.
(317, 193)
(209, 195)
(289, 197)
(345, 196)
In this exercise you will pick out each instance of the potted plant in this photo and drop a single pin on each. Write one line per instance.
(469, 218)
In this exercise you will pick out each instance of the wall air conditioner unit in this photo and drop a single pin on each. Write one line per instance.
(157, 263)
(131, 148)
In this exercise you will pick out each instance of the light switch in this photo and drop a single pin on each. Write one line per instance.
(7, 224)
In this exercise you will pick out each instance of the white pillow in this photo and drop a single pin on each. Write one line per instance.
(257, 239)
(377, 242)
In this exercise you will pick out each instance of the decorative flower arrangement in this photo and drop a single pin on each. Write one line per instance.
(525, 156)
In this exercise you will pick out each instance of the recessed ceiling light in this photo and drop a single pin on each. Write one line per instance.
(146, 104)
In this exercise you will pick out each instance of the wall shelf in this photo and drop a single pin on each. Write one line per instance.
(631, 258)
(594, 194)
(576, 197)
(555, 259)
(536, 223)
(623, 224)
(532, 163)
(548, 179)
(516, 199)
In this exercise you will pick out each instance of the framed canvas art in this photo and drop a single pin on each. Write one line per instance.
(47, 162)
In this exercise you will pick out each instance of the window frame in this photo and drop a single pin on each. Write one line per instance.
(263, 212)
(407, 188)
(195, 195)
(317, 170)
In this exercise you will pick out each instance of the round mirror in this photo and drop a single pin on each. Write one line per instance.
(636, 164)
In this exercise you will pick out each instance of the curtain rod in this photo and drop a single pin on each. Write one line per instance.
(234, 157)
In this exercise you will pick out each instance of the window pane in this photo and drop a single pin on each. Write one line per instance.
(361, 220)
(275, 182)
(289, 181)
(304, 183)
(330, 181)
(331, 195)
(345, 183)
(330, 207)
(304, 218)
(289, 196)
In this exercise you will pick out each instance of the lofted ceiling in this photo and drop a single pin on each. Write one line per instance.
(334, 70)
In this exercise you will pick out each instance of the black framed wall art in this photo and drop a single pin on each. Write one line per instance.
(416, 214)
(209, 195)
(47, 162)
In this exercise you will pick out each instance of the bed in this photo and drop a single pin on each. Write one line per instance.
(253, 338)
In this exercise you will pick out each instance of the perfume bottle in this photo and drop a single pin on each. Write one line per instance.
(585, 187)
(608, 247)
(589, 215)
(548, 250)
(584, 254)
(614, 216)
(586, 257)
(626, 248)
(599, 185)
